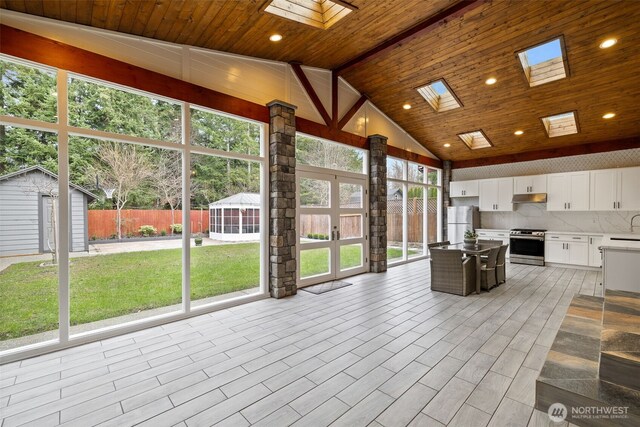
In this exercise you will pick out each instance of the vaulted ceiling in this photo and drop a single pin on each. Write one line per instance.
(465, 48)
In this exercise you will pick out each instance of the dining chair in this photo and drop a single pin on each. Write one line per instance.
(501, 270)
(488, 277)
(451, 273)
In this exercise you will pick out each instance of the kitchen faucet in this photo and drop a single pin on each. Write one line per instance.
(633, 226)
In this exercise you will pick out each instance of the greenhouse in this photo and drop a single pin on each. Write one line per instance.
(235, 218)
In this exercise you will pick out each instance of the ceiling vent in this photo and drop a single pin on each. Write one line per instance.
(545, 62)
(440, 96)
(560, 124)
(475, 140)
(317, 13)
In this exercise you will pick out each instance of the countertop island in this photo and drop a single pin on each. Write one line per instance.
(621, 262)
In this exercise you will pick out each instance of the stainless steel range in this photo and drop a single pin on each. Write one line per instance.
(526, 246)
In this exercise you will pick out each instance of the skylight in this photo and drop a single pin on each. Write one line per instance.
(317, 13)
(560, 124)
(475, 140)
(544, 63)
(439, 96)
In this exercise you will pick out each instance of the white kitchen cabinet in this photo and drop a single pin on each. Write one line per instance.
(496, 194)
(568, 191)
(463, 189)
(595, 257)
(530, 184)
(502, 235)
(615, 189)
(566, 249)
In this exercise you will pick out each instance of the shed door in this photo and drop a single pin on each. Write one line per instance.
(49, 209)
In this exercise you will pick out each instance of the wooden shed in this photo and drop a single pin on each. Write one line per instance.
(28, 212)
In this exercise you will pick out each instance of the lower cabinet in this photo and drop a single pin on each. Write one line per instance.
(496, 235)
(566, 249)
(595, 257)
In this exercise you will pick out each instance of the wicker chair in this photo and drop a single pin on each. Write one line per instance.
(488, 277)
(435, 245)
(452, 273)
(501, 271)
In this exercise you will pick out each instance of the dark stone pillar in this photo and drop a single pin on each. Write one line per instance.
(377, 203)
(282, 199)
(446, 200)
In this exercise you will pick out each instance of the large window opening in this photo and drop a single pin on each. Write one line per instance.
(120, 205)
(413, 209)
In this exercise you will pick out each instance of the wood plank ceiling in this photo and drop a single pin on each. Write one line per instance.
(464, 50)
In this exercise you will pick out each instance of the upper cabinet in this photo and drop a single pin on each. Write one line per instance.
(530, 184)
(463, 189)
(568, 191)
(496, 194)
(615, 189)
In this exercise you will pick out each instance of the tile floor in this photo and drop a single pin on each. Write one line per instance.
(384, 352)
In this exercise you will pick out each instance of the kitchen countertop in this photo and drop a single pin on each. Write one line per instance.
(492, 230)
(576, 233)
(624, 245)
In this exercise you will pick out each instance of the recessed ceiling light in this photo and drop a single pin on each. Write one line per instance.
(447, 145)
(608, 43)
(518, 132)
(275, 37)
(491, 80)
(407, 106)
(609, 116)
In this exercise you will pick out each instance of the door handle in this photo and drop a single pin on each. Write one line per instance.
(333, 235)
(338, 235)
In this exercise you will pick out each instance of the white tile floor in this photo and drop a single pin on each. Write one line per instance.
(386, 351)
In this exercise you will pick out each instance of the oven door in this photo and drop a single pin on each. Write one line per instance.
(527, 246)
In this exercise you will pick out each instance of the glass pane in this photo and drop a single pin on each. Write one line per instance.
(327, 154)
(350, 195)
(97, 106)
(350, 226)
(134, 265)
(212, 130)
(315, 193)
(394, 221)
(433, 214)
(29, 235)
(394, 168)
(350, 256)
(415, 220)
(314, 228)
(225, 253)
(415, 172)
(314, 262)
(28, 92)
(433, 176)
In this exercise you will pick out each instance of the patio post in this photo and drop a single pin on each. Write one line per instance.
(282, 199)
(377, 203)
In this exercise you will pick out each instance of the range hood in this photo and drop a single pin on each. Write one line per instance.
(530, 198)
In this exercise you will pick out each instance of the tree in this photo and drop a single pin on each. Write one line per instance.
(124, 168)
(167, 180)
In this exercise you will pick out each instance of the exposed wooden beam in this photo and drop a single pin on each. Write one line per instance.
(417, 30)
(38, 49)
(413, 157)
(306, 84)
(352, 111)
(334, 100)
(550, 153)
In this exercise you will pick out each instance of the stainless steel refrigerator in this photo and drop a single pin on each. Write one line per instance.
(461, 219)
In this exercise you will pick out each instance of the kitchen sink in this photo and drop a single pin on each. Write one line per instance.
(626, 239)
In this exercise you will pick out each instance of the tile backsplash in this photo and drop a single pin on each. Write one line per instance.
(536, 215)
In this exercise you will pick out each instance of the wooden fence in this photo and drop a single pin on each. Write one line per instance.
(102, 223)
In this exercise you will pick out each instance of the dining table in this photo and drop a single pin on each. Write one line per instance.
(475, 250)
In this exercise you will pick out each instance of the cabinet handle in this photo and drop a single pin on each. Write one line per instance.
(618, 205)
(614, 205)
(569, 205)
(575, 238)
(565, 206)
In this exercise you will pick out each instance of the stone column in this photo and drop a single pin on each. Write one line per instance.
(377, 203)
(282, 199)
(446, 200)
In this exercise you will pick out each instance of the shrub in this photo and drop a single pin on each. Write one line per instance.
(147, 230)
(94, 238)
(163, 233)
(315, 235)
(309, 236)
(326, 237)
(176, 228)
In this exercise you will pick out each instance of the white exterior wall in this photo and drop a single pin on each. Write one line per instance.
(256, 80)
(78, 222)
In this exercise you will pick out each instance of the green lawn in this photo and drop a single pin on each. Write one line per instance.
(107, 286)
